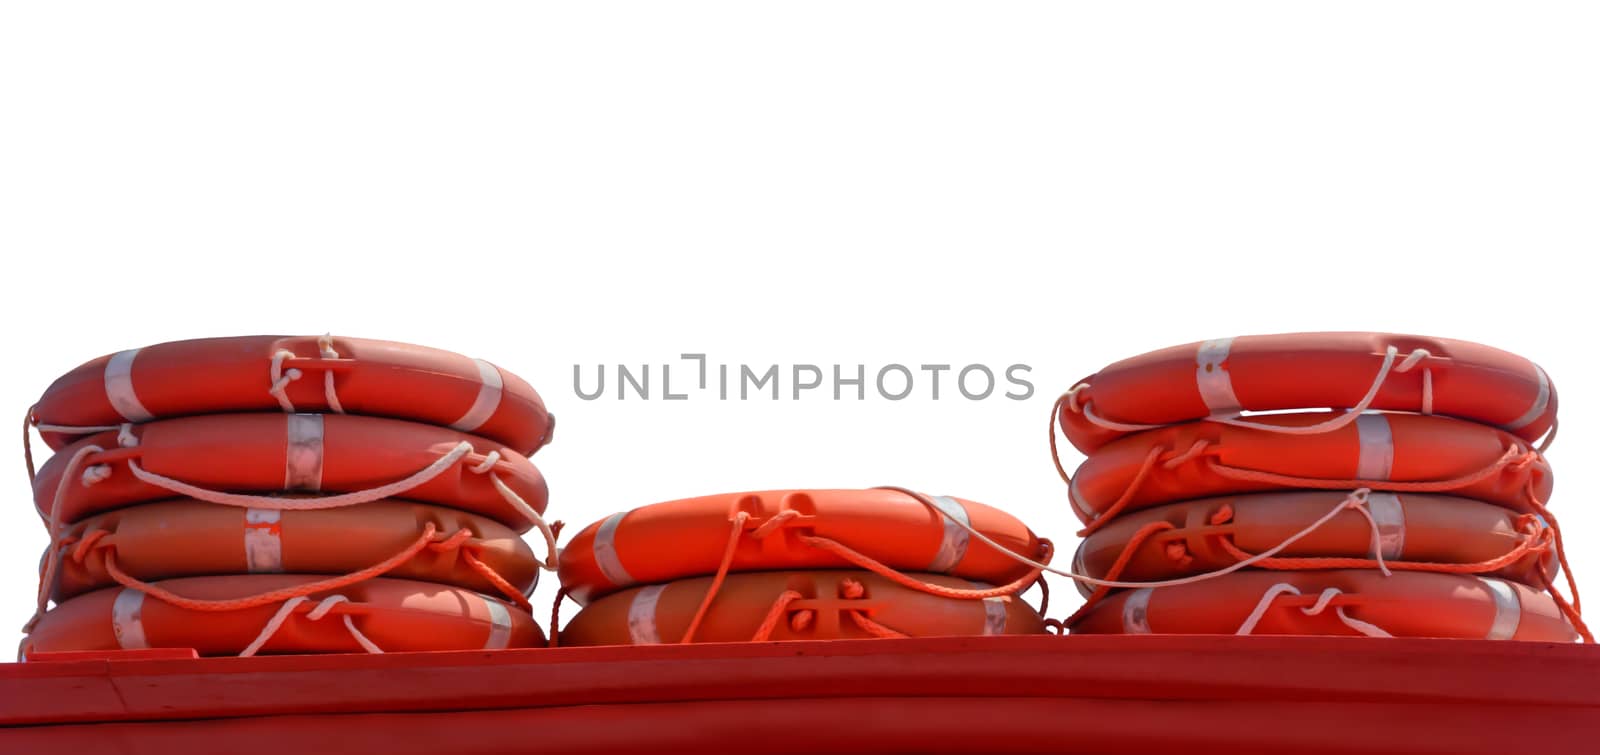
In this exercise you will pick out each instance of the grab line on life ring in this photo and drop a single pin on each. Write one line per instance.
(280, 379)
(316, 613)
(1357, 499)
(1283, 588)
(127, 440)
(1388, 367)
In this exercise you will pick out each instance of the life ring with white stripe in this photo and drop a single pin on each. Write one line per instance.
(780, 529)
(189, 538)
(1351, 602)
(1381, 451)
(376, 615)
(795, 605)
(216, 457)
(295, 374)
(1310, 371)
(1206, 535)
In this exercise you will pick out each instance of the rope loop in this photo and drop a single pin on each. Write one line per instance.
(322, 609)
(1322, 602)
(279, 378)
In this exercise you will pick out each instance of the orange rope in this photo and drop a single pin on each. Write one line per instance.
(774, 615)
(555, 618)
(1114, 509)
(867, 562)
(1116, 569)
(1561, 550)
(854, 590)
(874, 628)
(739, 520)
(499, 582)
(1044, 595)
(1568, 610)
(272, 596)
(81, 550)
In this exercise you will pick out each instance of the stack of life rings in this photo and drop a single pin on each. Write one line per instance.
(799, 565)
(1318, 484)
(273, 494)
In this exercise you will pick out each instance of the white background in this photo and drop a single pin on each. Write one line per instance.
(1045, 183)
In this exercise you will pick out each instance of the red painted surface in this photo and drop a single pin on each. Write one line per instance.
(1041, 693)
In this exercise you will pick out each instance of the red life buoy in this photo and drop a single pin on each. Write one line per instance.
(1434, 531)
(1338, 602)
(1310, 371)
(1392, 452)
(295, 374)
(795, 605)
(376, 615)
(780, 530)
(188, 538)
(204, 456)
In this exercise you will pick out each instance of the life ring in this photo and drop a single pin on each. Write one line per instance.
(376, 615)
(1393, 452)
(316, 453)
(187, 538)
(1310, 371)
(795, 605)
(1337, 602)
(675, 540)
(1199, 536)
(326, 374)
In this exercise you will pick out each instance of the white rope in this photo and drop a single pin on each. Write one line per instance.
(325, 346)
(1550, 437)
(522, 507)
(1353, 412)
(391, 490)
(315, 614)
(281, 379)
(76, 429)
(100, 472)
(1357, 499)
(1087, 410)
(27, 436)
(1388, 367)
(1327, 596)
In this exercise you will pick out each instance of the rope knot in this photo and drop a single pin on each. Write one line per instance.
(774, 524)
(1072, 396)
(1173, 462)
(449, 542)
(851, 589)
(125, 436)
(1411, 360)
(96, 474)
(488, 462)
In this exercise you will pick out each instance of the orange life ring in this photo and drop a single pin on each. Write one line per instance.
(1337, 602)
(228, 375)
(687, 538)
(393, 614)
(1310, 371)
(187, 538)
(332, 453)
(1209, 534)
(796, 605)
(1395, 452)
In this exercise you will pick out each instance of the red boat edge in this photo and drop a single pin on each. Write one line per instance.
(993, 694)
